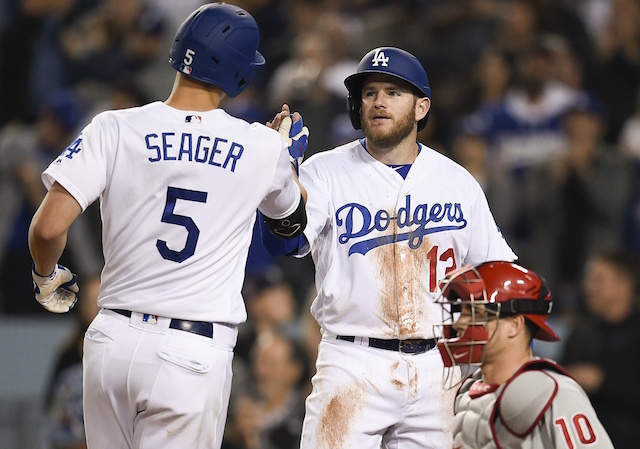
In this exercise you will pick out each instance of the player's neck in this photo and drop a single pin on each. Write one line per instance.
(403, 153)
(192, 95)
(502, 368)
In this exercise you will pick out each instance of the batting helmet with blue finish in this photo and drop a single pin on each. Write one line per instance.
(388, 61)
(217, 44)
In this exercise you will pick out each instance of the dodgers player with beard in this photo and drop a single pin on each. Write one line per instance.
(179, 183)
(388, 217)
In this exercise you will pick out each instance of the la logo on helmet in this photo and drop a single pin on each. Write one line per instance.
(379, 58)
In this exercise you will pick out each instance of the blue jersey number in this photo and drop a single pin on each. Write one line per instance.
(173, 194)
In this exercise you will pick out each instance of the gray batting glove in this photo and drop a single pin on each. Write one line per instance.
(57, 292)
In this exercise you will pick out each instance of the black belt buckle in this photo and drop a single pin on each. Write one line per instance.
(412, 346)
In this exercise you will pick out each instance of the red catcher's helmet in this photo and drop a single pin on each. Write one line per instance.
(502, 289)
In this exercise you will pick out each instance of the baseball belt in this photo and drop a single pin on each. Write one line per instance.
(195, 327)
(411, 346)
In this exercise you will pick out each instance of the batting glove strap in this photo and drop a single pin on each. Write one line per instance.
(56, 292)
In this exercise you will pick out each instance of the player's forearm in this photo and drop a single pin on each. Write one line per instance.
(303, 191)
(49, 227)
(45, 251)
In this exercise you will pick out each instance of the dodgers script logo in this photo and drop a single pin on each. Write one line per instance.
(358, 221)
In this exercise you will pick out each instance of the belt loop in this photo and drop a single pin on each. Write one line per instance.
(225, 335)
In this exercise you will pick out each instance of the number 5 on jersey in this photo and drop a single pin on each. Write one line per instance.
(193, 232)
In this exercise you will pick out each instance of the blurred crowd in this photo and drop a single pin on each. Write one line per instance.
(538, 99)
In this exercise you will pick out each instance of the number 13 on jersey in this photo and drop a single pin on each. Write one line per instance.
(447, 257)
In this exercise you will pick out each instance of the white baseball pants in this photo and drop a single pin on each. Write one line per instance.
(147, 386)
(368, 398)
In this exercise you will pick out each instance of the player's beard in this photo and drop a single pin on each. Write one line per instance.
(383, 139)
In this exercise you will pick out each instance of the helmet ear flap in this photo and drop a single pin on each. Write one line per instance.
(353, 106)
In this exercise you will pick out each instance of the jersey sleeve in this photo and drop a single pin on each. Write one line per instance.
(486, 242)
(317, 216)
(82, 167)
(318, 206)
(284, 197)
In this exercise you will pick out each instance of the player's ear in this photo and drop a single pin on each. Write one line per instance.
(516, 325)
(422, 107)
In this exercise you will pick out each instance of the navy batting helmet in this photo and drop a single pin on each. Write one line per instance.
(389, 61)
(217, 44)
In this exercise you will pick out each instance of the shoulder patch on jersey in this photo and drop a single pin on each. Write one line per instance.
(525, 399)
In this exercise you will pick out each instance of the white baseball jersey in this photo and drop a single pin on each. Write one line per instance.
(381, 243)
(539, 407)
(178, 189)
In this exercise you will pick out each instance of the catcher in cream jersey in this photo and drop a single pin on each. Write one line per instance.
(179, 183)
(388, 217)
(515, 400)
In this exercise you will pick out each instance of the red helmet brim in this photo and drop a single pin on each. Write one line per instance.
(545, 332)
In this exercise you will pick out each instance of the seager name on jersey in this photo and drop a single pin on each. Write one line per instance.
(187, 147)
(358, 221)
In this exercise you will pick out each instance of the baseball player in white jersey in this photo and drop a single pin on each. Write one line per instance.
(515, 400)
(179, 183)
(388, 217)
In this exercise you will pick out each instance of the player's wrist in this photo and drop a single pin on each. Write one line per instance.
(295, 163)
(41, 277)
